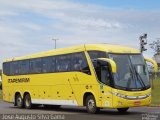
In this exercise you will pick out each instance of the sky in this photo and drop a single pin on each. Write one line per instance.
(28, 26)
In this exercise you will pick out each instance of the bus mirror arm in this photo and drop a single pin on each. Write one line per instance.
(154, 63)
(110, 62)
(86, 71)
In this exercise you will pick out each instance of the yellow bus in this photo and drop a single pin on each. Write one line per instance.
(93, 75)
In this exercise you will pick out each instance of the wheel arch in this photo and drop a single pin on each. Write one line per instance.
(86, 94)
(25, 93)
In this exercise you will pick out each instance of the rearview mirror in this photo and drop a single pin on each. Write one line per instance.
(154, 63)
(106, 61)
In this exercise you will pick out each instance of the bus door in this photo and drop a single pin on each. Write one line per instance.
(104, 76)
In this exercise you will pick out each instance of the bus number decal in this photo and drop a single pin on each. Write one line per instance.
(19, 80)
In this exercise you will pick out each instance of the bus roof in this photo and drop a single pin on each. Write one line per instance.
(110, 48)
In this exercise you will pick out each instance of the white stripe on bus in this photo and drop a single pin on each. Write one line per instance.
(55, 102)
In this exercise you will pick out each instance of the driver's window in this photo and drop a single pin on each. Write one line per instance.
(105, 75)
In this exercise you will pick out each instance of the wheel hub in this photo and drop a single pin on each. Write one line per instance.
(91, 104)
(27, 102)
(19, 101)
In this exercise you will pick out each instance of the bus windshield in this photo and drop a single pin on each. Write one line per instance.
(132, 73)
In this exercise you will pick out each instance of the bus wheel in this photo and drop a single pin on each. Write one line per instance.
(91, 105)
(122, 110)
(27, 101)
(19, 101)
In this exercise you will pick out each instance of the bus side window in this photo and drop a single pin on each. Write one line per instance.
(6, 68)
(76, 66)
(23, 67)
(63, 63)
(36, 65)
(14, 68)
(48, 64)
(53, 64)
(45, 66)
(97, 54)
(79, 63)
(105, 75)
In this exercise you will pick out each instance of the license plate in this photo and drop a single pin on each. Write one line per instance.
(137, 103)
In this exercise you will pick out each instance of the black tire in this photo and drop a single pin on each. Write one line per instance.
(122, 110)
(27, 101)
(91, 105)
(19, 101)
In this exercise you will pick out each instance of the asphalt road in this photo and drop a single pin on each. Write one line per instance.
(79, 113)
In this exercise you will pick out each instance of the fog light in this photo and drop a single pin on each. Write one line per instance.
(149, 101)
(120, 103)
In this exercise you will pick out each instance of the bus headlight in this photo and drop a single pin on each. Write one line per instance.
(149, 94)
(119, 95)
(131, 97)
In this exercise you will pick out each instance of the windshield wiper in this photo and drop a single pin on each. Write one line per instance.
(129, 81)
(140, 78)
